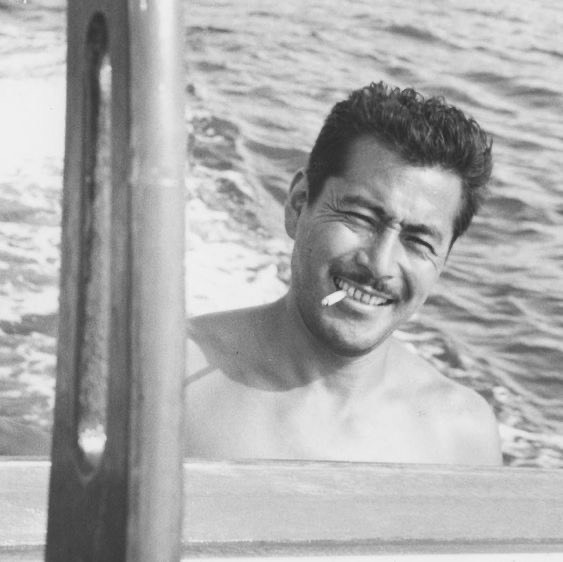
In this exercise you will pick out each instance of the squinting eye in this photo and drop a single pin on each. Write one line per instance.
(359, 216)
(420, 242)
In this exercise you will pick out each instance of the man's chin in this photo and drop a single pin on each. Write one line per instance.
(352, 344)
(349, 333)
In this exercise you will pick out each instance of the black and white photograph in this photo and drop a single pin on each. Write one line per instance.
(281, 279)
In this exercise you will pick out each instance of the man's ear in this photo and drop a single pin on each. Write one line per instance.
(296, 200)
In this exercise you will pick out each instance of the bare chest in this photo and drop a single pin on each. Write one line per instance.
(244, 422)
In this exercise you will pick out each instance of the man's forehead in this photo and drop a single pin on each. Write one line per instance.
(369, 159)
(370, 150)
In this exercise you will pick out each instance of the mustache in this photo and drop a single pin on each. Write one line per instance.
(364, 276)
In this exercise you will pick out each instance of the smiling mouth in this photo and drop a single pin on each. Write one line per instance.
(354, 292)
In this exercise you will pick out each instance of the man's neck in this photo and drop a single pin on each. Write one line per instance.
(308, 362)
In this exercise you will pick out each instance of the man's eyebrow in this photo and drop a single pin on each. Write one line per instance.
(413, 228)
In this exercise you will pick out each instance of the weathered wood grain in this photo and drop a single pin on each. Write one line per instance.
(293, 508)
(124, 504)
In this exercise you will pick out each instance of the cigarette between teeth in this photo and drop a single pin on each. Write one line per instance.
(333, 298)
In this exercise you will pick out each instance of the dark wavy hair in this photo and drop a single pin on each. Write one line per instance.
(423, 132)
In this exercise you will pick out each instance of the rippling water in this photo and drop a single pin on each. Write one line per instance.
(261, 76)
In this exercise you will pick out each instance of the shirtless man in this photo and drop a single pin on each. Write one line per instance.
(391, 182)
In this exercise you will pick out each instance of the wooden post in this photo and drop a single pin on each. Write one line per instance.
(115, 486)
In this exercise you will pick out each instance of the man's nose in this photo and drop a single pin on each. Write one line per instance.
(383, 253)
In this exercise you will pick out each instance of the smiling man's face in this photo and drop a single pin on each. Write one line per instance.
(382, 233)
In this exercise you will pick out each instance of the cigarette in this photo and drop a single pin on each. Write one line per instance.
(333, 298)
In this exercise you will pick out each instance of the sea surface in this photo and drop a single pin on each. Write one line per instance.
(260, 77)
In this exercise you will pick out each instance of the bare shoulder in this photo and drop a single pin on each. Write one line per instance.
(223, 338)
(222, 351)
(474, 436)
(462, 419)
(214, 334)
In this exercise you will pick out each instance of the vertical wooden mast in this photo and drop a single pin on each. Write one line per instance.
(115, 487)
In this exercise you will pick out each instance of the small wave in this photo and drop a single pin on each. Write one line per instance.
(213, 142)
(413, 32)
(208, 29)
(494, 12)
(32, 12)
(524, 448)
(275, 152)
(458, 95)
(11, 6)
(536, 96)
(485, 77)
(537, 91)
(549, 52)
(40, 323)
(206, 66)
(14, 211)
(262, 14)
(507, 206)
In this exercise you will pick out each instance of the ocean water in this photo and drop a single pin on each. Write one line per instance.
(260, 76)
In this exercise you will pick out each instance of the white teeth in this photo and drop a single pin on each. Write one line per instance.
(357, 294)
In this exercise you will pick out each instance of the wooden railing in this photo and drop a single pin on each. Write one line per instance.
(332, 509)
(116, 479)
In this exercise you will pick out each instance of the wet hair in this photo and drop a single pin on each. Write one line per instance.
(424, 132)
